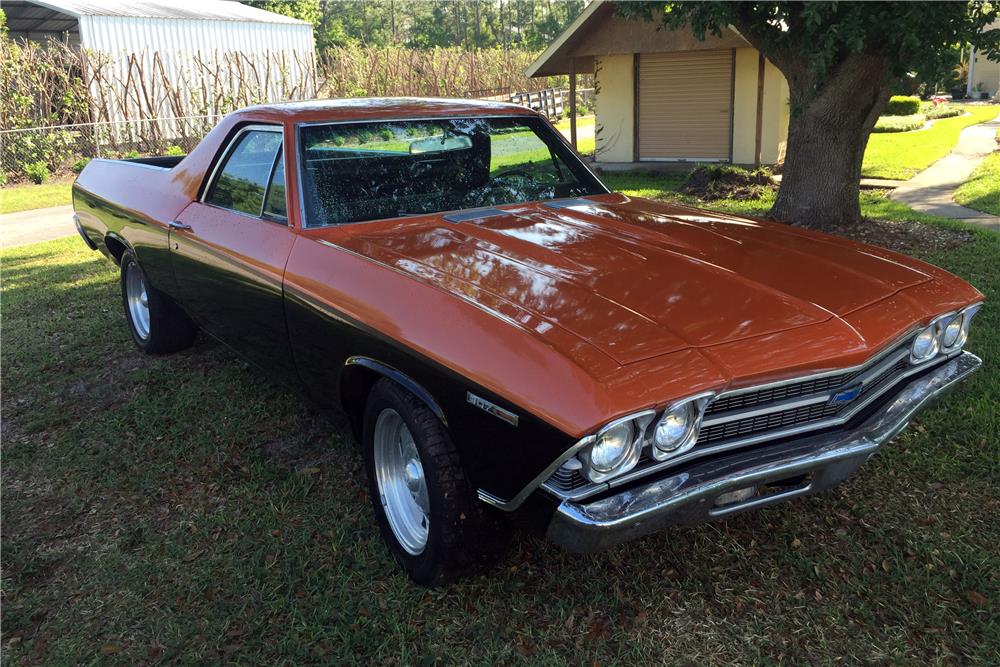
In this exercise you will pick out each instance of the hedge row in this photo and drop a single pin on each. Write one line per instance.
(901, 105)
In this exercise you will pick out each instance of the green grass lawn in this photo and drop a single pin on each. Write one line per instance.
(982, 190)
(185, 509)
(901, 155)
(14, 198)
(586, 142)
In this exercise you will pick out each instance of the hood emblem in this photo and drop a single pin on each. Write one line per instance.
(492, 408)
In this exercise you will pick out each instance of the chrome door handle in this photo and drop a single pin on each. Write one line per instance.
(173, 224)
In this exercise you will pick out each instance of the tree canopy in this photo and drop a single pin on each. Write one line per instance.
(841, 60)
(813, 40)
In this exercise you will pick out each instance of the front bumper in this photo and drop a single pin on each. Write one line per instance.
(750, 479)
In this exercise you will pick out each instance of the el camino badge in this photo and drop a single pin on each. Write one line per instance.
(847, 395)
(491, 408)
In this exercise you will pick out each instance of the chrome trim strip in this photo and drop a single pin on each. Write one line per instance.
(401, 378)
(810, 399)
(822, 374)
(736, 415)
(698, 452)
(522, 495)
(775, 435)
(692, 496)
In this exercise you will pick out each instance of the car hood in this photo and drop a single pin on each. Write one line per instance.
(637, 278)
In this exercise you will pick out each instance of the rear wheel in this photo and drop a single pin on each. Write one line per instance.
(157, 325)
(427, 511)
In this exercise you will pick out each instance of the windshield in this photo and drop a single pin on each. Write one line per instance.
(370, 171)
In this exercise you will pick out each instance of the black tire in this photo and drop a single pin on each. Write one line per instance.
(465, 536)
(169, 328)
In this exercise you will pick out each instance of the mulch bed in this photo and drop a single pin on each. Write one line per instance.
(909, 238)
(725, 182)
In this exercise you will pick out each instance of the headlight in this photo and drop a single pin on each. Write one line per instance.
(957, 331)
(677, 429)
(953, 331)
(616, 447)
(925, 345)
(611, 448)
(674, 428)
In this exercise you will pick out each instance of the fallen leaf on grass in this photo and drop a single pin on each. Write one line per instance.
(976, 598)
(111, 649)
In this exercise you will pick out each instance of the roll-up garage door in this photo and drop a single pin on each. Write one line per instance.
(685, 105)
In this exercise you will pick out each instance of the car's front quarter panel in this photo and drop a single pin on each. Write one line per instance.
(341, 306)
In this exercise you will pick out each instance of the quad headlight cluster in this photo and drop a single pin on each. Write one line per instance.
(667, 433)
(945, 334)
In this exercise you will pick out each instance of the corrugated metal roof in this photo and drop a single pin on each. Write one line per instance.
(216, 10)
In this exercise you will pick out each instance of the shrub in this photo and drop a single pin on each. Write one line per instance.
(385, 134)
(727, 182)
(3, 179)
(130, 155)
(900, 123)
(78, 166)
(944, 111)
(900, 105)
(174, 150)
(37, 172)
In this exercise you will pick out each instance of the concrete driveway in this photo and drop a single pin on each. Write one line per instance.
(42, 224)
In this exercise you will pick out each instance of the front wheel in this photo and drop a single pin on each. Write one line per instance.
(427, 512)
(157, 325)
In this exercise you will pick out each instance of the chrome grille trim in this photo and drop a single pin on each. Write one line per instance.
(874, 378)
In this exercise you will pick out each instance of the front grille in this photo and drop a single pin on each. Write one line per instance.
(780, 393)
(768, 422)
(734, 427)
(567, 480)
(797, 416)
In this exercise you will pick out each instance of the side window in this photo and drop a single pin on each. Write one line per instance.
(243, 180)
(275, 206)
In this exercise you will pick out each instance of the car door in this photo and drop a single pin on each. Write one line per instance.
(229, 249)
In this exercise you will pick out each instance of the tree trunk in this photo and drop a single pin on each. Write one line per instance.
(827, 134)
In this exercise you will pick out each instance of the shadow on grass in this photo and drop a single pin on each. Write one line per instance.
(185, 508)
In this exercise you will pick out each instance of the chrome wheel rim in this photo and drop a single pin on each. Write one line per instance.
(402, 486)
(138, 300)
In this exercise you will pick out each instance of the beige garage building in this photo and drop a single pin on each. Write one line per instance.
(664, 96)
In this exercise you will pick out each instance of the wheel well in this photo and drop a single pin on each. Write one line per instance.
(115, 247)
(355, 385)
(360, 375)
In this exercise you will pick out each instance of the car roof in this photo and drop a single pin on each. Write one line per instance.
(377, 108)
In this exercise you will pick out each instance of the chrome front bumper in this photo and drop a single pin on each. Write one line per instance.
(750, 479)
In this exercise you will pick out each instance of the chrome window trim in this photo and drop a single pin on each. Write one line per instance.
(264, 215)
(410, 119)
(227, 153)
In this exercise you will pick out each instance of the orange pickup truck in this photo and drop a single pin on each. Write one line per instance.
(506, 335)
